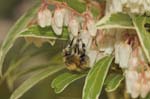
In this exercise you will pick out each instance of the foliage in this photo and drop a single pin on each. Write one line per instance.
(96, 78)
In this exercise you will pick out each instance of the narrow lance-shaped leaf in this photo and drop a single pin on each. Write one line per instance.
(80, 6)
(45, 33)
(118, 20)
(143, 33)
(14, 32)
(65, 79)
(113, 81)
(96, 77)
(34, 80)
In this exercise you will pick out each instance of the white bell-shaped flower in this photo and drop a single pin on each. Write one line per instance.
(146, 5)
(74, 26)
(91, 27)
(135, 89)
(135, 10)
(144, 90)
(116, 6)
(132, 85)
(44, 17)
(66, 17)
(57, 30)
(124, 54)
(92, 55)
(86, 38)
(59, 17)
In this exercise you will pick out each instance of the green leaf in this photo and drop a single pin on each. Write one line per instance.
(144, 36)
(75, 4)
(96, 77)
(47, 33)
(29, 83)
(118, 20)
(15, 30)
(80, 6)
(64, 80)
(113, 81)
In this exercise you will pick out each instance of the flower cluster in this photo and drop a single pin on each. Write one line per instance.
(64, 17)
(98, 43)
(130, 57)
(128, 6)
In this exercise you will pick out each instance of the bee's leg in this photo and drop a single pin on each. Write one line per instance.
(147, 27)
(71, 43)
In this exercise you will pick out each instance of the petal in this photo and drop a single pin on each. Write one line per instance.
(124, 55)
(86, 38)
(48, 16)
(92, 55)
(132, 84)
(57, 30)
(135, 90)
(59, 17)
(91, 27)
(41, 19)
(144, 90)
(66, 17)
(74, 27)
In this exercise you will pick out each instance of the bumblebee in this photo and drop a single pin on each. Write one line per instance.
(75, 56)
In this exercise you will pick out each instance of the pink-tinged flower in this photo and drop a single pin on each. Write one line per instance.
(134, 59)
(145, 89)
(132, 84)
(58, 17)
(91, 27)
(74, 26)
(137, 83)
(56, 29)
(124, 55)
(44, 17)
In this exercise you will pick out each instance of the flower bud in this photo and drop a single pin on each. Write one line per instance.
(74, 26)
(124, 55)
(59, 17)
(57, 30)
(44, 17)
